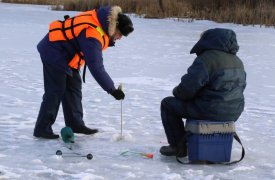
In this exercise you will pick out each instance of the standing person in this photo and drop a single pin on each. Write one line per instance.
(212, 89)
(68, 45)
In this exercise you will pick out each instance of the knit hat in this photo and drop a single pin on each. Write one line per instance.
(124, 24)
(116, 20)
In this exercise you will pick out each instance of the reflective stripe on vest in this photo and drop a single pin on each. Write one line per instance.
(71, 28)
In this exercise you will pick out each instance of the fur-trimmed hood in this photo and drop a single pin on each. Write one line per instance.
(107, 17)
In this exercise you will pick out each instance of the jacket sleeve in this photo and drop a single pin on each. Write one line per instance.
(191, 83)
(92, 51)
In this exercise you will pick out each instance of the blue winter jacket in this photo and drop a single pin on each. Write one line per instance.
(213, 86)
(59, 53)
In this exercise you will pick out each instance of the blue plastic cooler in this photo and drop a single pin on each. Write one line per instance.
(214, 145)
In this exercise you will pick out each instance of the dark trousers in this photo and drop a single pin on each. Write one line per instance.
(172, 112)
(60, 87)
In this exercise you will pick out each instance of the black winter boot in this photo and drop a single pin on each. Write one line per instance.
(46, 135)
(84, 130)
(173, 151)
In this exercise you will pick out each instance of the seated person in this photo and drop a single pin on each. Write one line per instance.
(212, 89)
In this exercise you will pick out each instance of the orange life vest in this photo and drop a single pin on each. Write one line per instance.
(71, 28)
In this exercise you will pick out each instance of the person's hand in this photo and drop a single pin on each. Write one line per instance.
(118, 94)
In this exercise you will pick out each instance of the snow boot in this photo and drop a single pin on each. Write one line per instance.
(173, 151)
(84, 130)
(46, 135)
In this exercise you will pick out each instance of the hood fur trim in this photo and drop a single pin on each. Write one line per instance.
(112, 19)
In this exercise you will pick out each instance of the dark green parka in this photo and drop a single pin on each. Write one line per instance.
(214, 84)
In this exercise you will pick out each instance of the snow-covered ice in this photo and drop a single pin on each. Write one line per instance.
(149, 63)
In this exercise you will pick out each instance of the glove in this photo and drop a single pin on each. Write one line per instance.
(118, 94)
